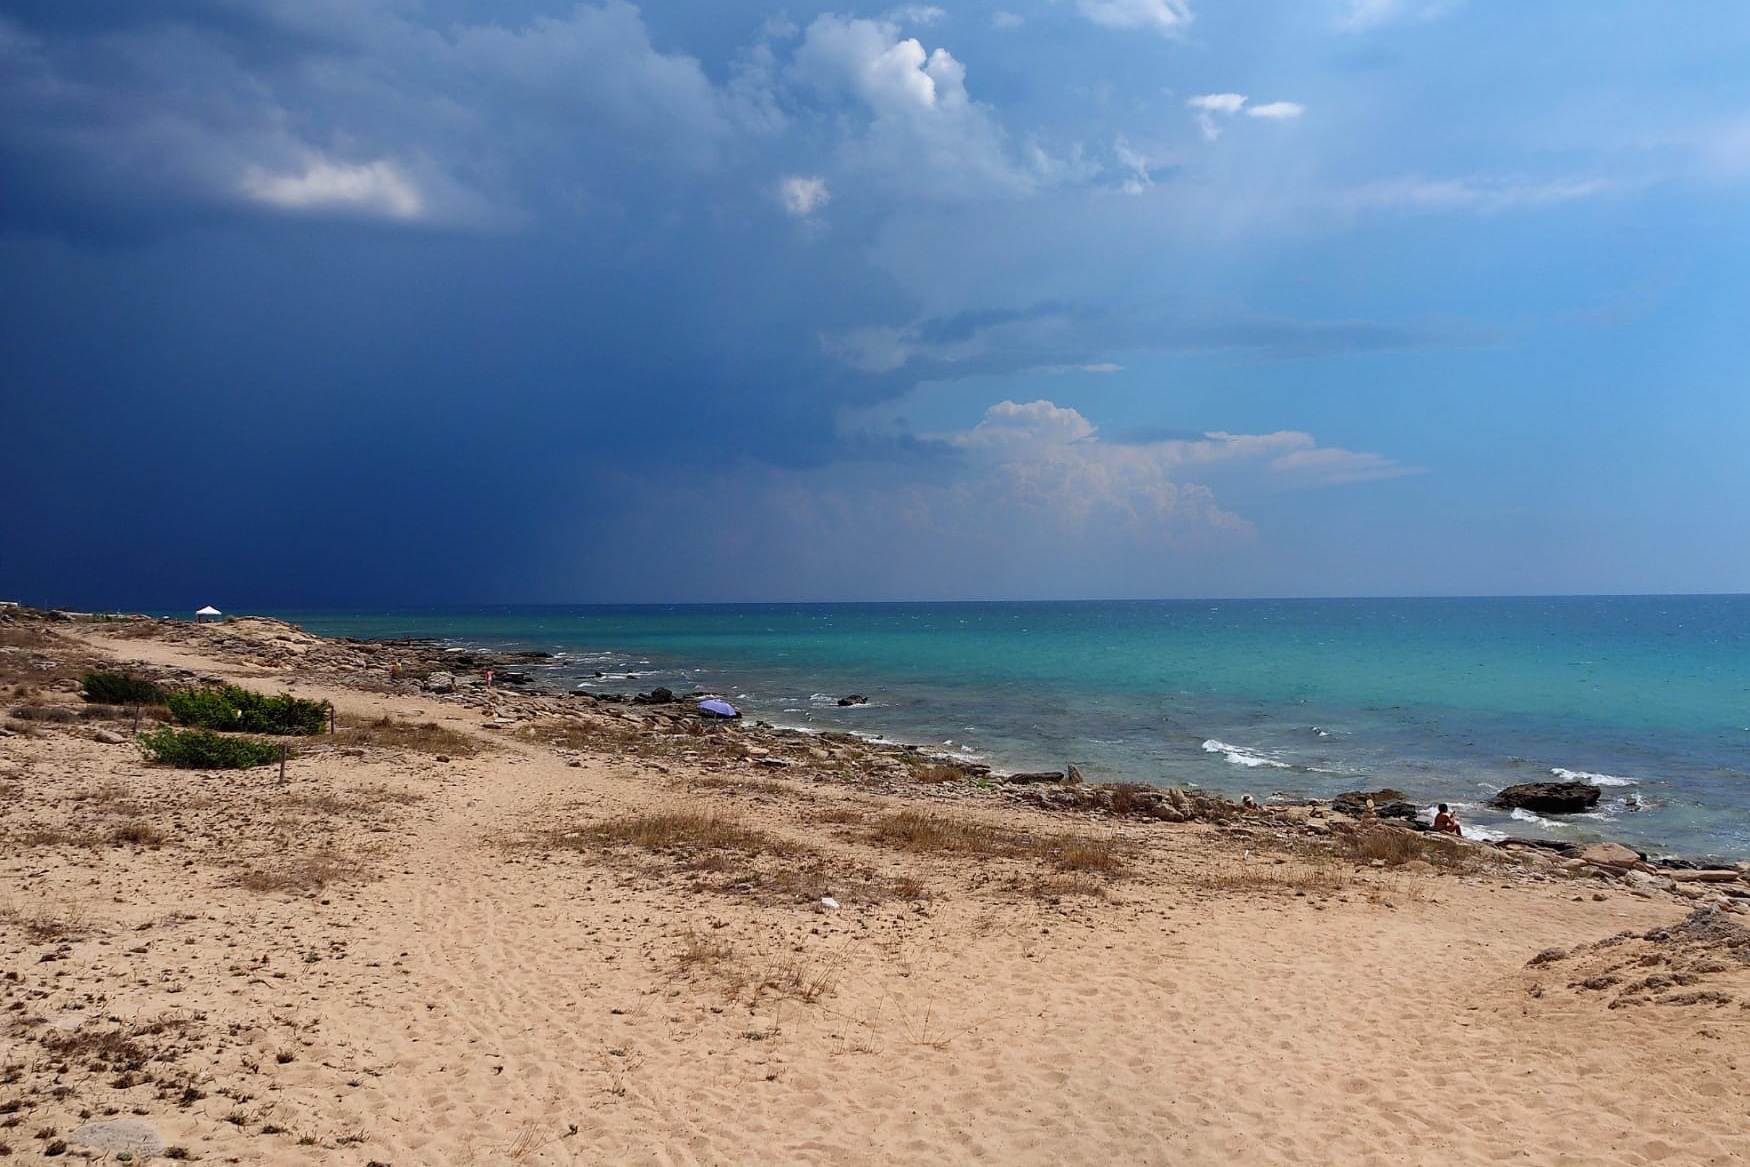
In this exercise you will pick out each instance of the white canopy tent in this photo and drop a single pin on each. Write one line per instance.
(207, 613)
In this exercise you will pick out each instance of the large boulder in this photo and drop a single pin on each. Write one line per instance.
(656, 696)
(1548, 797)
(853, 699)
(1609, 855)
(440, 682)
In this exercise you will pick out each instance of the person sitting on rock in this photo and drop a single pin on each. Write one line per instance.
(1447, 822)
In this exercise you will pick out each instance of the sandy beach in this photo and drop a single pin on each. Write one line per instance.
(482, 927)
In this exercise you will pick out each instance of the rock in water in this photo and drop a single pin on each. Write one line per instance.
(1548, 797)
(854, 699)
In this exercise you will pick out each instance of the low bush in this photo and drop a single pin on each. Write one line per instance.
(199, 749)
(232, 707)
(113, 688)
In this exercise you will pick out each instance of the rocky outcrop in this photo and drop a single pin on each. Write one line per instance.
(440, 682)
(1609, 855)
(1387, 804)
(656, 696)
(1548, 797)
(1034, 778)
(853, 699)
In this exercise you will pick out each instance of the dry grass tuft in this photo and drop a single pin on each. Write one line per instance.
(1396, 846)
(700, 949)
(798, 980)
(359, 800)
(696, 833)
(137, 832)
(46, 835)
(1052, 888)
(936, 773)
(425, 737)
(299, 873)
(1315, 873)
(45, 922)
(924, 831)
(722, 854)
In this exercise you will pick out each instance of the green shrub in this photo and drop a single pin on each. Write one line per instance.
(232, 707)
(208, 708)
(200, 749)
(112, 688)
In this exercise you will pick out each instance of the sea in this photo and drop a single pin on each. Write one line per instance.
(1444, 699)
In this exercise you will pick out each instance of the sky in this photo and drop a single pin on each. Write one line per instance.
(354, 303)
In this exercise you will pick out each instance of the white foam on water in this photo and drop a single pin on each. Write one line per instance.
(1594, 779)
(1486, 834)
(1525, 816)
(1241, 756)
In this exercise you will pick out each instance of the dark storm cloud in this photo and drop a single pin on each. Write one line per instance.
(355, 300)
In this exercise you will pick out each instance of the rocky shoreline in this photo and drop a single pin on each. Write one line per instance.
(513, 700)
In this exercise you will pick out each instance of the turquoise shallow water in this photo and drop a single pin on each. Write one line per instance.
(1445, 699)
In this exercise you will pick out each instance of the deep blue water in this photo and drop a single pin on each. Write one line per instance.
(1445, 699)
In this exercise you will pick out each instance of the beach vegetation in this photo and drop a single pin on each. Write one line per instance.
(298, 873)
(233, 708)
(1314, 872)
(423, 737)
(200, 749)
(720, 853)
(700, 834)
(936, 773)
(928, 831)
(108, 687)
(137, 832)
(1395, 846)
(46, 921)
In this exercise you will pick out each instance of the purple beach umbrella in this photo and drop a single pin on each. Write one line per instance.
(718, 708)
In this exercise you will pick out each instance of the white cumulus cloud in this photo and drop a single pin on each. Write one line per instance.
(1168, 17)
(924, 133)
(1213, 109)
(1211, 106)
